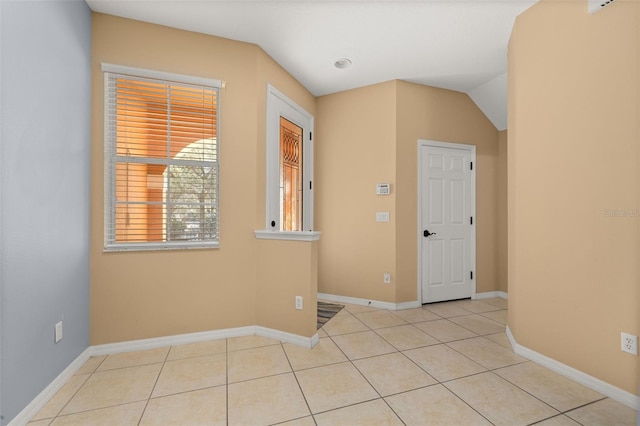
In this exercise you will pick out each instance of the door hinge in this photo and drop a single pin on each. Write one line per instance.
(471, 165)
(309, 184)
(310, 136)
(471, 274)
(471, 220)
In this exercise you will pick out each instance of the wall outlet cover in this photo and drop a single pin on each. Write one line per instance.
(629, 343)
(58, 332)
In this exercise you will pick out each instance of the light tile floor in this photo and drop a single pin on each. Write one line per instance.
(443, 364)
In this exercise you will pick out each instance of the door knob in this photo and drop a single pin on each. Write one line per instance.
(427, 233)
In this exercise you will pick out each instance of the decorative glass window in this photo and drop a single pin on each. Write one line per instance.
(291, 193)
(289, 165)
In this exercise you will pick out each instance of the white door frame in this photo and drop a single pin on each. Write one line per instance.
(279, 105)
(472, 150)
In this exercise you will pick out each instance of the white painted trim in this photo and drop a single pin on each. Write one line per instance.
(1, 212)
(159, 342)
(283, 336)
(287, 235)
(279, 105)
(161, 75)
(491, 294)
(407, 305)
(181, 339)
(613, 392)
(367, 302)
(43, 398)
(595, 5)
(449, 145)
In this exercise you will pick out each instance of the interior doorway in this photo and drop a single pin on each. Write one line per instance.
(446, 221)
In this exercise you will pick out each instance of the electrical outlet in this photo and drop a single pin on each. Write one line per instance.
(299, 302)
(629, 343)
(387, 278)
(58, 332)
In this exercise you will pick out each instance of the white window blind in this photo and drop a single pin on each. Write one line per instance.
(161, 163)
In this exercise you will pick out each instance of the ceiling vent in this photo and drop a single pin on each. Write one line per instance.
(596, 5)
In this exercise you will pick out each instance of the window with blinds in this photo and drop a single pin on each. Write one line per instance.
(161, 161)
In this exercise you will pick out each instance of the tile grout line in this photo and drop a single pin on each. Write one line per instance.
(535, 397)
(293, 372)
(438, 382)
(365, 378)
(465, 402)
(473, 331)
(564, 413)
(443, 383)
(412, 361)
(155, 383)
(560, 412)
(368, 328)
(76, 392)
(493, 370)
(369, 382)
(226, 380)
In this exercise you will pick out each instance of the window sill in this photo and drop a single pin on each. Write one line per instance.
(123, 247)
(288, 235)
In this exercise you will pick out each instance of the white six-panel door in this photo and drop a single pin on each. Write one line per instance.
(446, 222)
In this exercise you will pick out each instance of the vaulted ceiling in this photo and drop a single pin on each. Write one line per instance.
(453, 44)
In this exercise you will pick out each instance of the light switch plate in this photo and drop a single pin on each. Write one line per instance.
(382, 217)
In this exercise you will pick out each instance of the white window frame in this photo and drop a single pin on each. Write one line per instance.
(279, 105)
(109, 160)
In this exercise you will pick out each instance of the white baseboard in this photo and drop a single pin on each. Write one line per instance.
(397, 306)
(159, 342)
(43, 398)
(294, 339)
(407, 305)
(368, 302)
(181, 339)
(491, 294)
(138, 345)
(613, 392)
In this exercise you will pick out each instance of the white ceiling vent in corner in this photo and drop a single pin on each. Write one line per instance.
(596, 5)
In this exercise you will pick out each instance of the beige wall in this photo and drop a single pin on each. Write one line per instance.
(363, 137)
(286, 266)
(137, 295)
(369, 135)
(574, 156)
(502, 211)
(355, 149)
(443, 115)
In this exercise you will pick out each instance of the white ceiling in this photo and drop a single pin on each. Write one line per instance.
(453, 44)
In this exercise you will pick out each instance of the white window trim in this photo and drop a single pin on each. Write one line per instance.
(116, 247)
(279, 105)
(288, 235)
(108, 160)
(160, 75)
